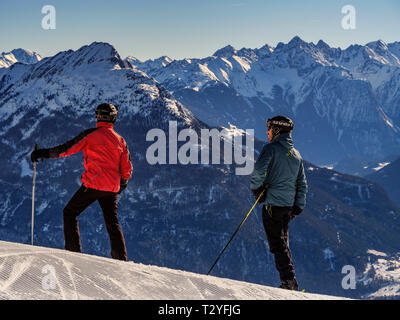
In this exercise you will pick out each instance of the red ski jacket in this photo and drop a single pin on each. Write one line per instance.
(106, 157)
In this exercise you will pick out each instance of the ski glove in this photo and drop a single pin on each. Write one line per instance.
(295, 212)
(39, 153)
(257, 192)
(123, 185)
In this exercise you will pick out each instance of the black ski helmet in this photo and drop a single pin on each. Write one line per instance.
(106, 112)
(280, 124)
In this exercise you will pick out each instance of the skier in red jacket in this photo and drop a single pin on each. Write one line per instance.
(107, 170)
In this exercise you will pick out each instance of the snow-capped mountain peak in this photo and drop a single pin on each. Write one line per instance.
(377, 45)
(18, 55)
(225, 52)
(265, 50)
(381, 53)
(97, 52)
(322, 44)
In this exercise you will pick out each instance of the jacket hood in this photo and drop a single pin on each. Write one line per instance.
(285, 139)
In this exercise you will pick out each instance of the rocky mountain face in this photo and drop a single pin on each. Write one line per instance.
(388, 177)
(173, 215)
(345, 103)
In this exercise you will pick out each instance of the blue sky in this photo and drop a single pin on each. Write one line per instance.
(192, 29)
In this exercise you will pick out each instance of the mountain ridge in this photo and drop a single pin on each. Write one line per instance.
(346, 99)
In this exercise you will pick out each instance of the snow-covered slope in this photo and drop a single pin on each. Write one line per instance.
(386, 270)
(77, 79)
(39, 273)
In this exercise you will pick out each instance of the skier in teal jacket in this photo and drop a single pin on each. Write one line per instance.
(279, 175)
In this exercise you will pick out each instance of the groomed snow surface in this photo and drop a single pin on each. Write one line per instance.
(37, 273)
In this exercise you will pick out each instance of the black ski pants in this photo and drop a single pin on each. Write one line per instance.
(108, 201)
(276, 225)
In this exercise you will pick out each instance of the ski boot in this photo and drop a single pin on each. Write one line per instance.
(289, 284)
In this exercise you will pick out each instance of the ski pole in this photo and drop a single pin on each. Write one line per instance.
(33, 197)
(236, 231)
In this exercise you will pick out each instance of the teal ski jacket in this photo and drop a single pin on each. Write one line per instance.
(280, 168)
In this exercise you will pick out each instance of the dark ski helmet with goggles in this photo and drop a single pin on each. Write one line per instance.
(279, 124)
(106, 112)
